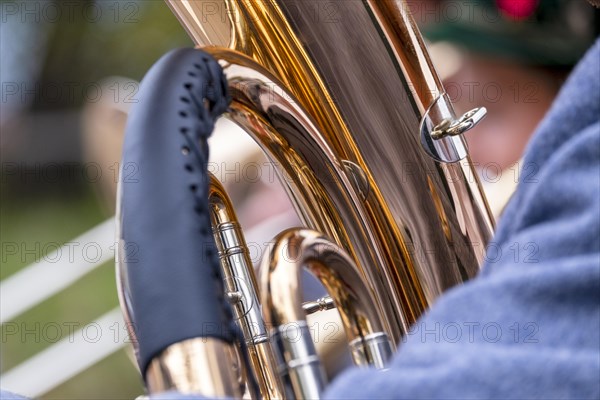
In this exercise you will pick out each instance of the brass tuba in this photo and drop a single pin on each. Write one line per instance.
(342, 97)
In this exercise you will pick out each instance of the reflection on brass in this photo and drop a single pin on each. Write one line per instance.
(402, 245)
(322, 304)
(240, 282)
(292, 251)
(203, 366)
(296, 249)
(205, 21)
(342, 97)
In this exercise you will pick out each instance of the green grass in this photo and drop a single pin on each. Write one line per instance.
(113, 378)
(32, 223)
(36, 222)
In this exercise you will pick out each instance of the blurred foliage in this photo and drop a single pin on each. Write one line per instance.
(125, 38)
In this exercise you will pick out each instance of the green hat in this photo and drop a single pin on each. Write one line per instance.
(537, 32)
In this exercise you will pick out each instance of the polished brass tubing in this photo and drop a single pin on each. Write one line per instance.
(372, 350)
(123, 289)
(299, 364)
(337, 96)
(296, 249)
(319, 184)
(241, 286)
(202, 366)
(322, 304)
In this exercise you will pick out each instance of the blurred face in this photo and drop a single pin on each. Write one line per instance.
(516, 97)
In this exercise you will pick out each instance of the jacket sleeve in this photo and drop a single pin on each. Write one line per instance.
(528, 326)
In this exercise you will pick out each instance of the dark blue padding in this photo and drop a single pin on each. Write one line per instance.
(172, 263)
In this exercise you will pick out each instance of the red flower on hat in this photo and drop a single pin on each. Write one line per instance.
(517, 9)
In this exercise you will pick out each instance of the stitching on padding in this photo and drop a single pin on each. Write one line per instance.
(206, 99)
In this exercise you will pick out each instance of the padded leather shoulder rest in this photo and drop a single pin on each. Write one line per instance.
(173, 269)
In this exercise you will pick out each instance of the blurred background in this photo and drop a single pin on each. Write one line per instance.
(60, 62)
(69, 73)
